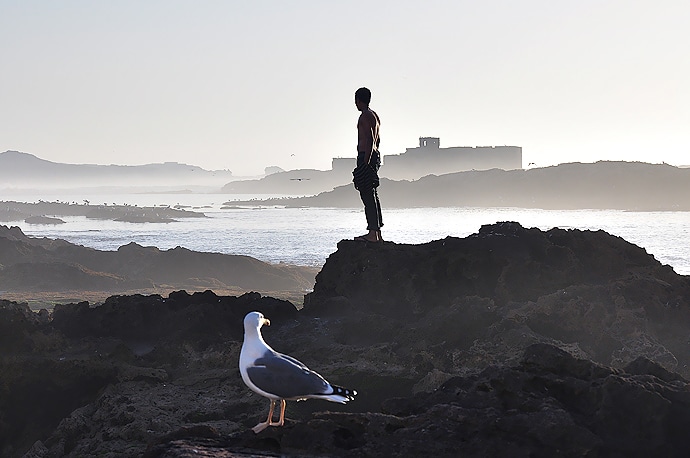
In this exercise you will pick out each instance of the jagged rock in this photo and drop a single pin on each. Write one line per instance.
(195, 318)
(17, 322)
(505, 262)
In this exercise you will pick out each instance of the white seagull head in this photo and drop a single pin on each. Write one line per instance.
(254, 320)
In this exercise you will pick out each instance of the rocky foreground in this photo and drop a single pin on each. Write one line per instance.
(510, 342)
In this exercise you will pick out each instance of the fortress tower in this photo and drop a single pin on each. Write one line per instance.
(429, 142)
(430, 159)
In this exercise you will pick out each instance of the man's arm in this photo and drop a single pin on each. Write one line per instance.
(366, 133)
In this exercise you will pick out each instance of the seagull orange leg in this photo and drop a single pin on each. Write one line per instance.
(281, 420)
(261, 426)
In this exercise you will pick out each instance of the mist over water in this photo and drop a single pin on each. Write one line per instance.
(307, 236)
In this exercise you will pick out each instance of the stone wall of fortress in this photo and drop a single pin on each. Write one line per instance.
(430, 159)
(425, 160)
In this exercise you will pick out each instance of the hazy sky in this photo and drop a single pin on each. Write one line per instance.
(244, 85)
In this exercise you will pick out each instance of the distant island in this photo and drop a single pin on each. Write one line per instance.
(634, 186)
(428, 158)
(46, 212)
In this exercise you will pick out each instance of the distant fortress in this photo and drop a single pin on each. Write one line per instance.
(430, 159)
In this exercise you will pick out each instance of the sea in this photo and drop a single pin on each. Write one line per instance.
(307, 236)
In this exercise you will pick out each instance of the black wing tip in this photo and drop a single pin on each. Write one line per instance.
(345, 392)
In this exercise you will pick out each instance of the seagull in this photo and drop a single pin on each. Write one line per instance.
(280, 377)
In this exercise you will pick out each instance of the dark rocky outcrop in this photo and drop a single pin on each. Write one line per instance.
(606, 298)
(510, 342)
(30, 264)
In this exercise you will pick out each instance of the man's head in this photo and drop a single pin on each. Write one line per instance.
(362, 97)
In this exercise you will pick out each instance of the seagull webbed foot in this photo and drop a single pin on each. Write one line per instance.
(260, 427)
(269, 421)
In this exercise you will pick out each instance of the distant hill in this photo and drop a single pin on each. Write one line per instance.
(293, 182)
(23, 170)
(602, 185)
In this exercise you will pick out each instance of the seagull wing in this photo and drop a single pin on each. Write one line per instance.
(286, 377)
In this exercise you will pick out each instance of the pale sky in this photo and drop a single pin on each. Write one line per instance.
(242, 85)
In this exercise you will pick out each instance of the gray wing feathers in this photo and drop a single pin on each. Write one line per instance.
(286, 377)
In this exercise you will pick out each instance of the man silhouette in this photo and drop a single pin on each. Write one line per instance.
(368, 156)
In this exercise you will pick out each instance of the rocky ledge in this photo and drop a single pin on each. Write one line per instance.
(510, 342)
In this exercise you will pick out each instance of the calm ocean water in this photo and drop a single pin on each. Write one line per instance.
(307, 236)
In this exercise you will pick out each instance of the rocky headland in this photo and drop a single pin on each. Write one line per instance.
(510, 342)
(33, 267)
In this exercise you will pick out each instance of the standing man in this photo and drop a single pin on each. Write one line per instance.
(368, 163)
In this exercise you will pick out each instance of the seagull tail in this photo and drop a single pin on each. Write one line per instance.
(340, 394)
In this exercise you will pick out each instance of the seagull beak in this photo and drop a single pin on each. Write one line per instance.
(266, 321)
